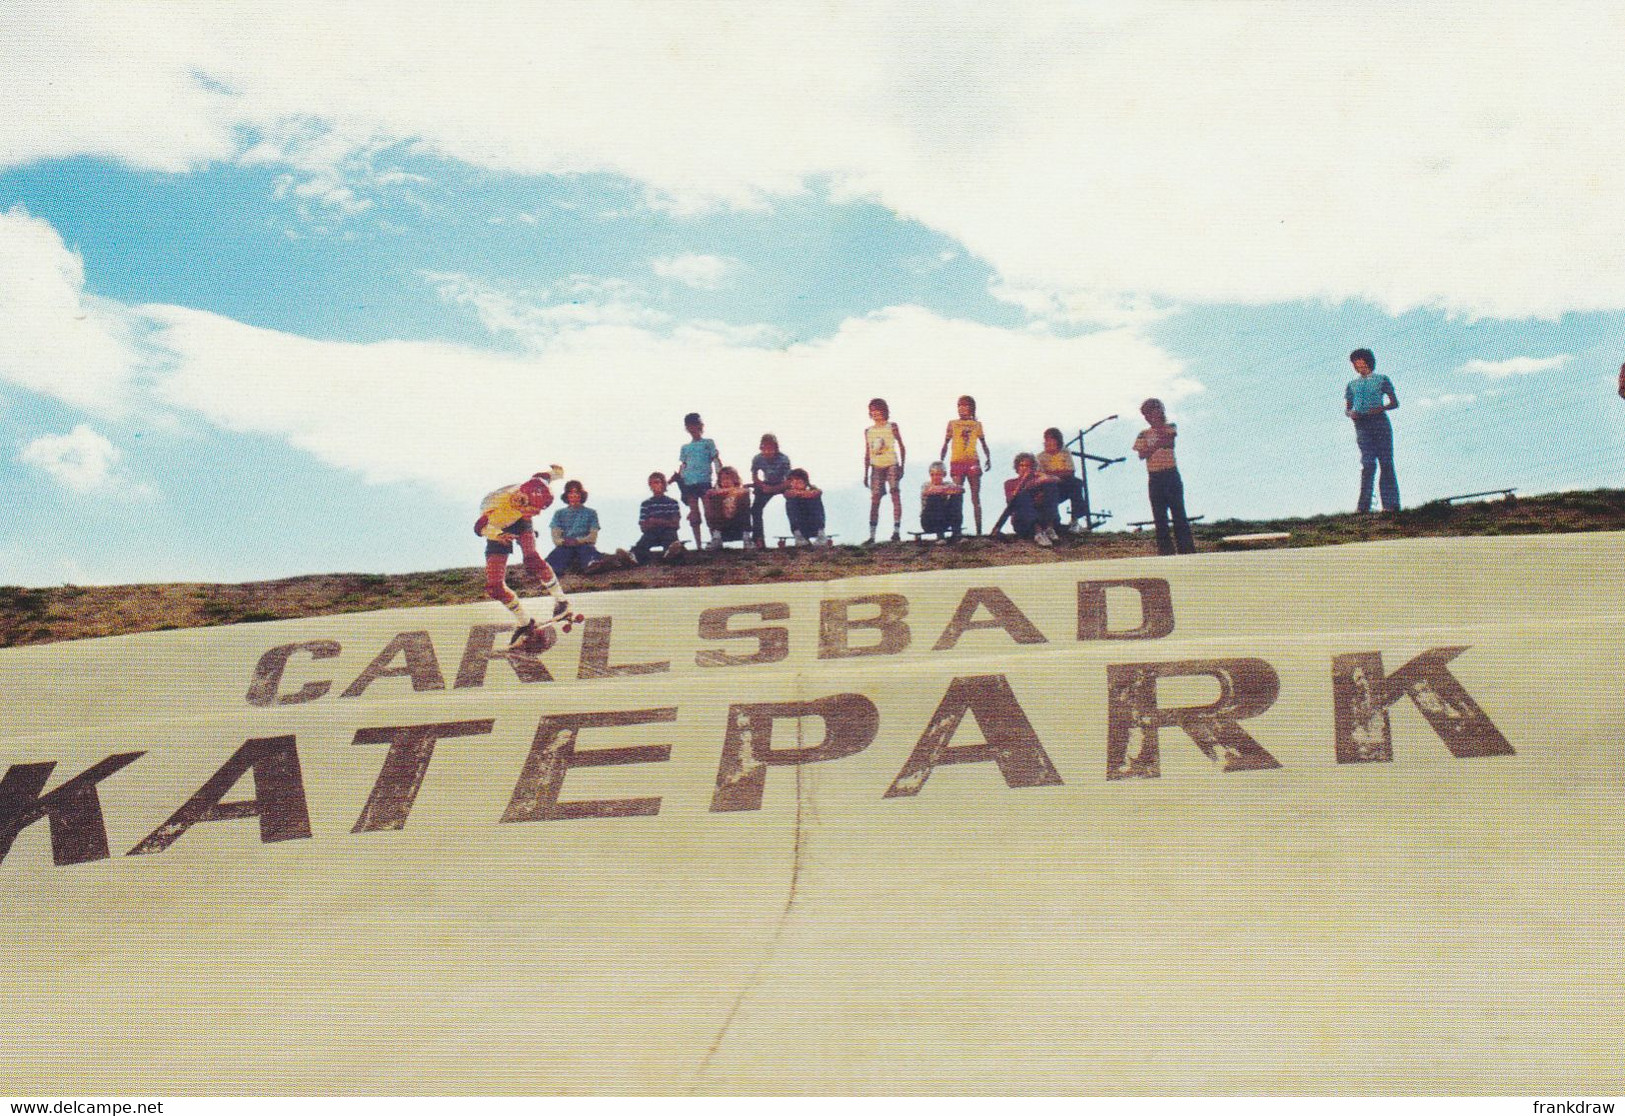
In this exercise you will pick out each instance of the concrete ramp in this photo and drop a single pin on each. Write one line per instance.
(1342, 820)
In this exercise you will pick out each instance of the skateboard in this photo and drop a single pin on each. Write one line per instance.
(545, 635)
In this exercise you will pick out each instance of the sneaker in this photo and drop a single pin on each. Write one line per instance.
(624, 557)
(560, 607)
(715, 543)
(801, 540)
(822, 539)
(599, 564)
(522, 633)
(896, 535)
(1041, 537)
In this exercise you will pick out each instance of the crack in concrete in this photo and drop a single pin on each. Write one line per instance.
(773, 943)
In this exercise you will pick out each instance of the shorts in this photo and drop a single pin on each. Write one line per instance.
(695, 491)
(497, 546)
(879, 475)
(959, 470)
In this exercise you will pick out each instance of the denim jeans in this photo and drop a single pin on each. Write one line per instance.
(661, 537)
(758, 502)
(1168, 502)
(1375, 436)
(806, 515)
(1032, 508)
(567, 558)
(1069, 488)
(942, 514)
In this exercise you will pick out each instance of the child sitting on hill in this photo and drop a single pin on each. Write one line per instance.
(1056, 461)
(575, 532)
(768, 471)
(804, 505)
(942, 505)
(1029, 502)
(727, 509)
(659, 518)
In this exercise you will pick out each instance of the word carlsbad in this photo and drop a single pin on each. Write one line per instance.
(752, 737)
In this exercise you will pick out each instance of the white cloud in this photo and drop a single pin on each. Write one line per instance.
(54, 338)
(706, 273)
(1448, 399)
(81, 460)
(1455, 156)
(1076, 308)
(602, 379)
(330, 167)
(537, 317)
(607, 399)
(111, 80)
(1516, 366)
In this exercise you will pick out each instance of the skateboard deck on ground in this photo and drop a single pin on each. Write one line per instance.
(545, 635)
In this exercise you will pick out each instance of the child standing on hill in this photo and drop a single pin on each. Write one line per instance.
(1367, 400)
(505, 518)
(804, 506)
(1155, 445)
(962, 437)
(769, 473)
(883, 458)
(696, 459)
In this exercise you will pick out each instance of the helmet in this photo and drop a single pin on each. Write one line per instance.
(536, 492)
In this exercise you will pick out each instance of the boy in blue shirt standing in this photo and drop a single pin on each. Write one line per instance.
(1367, 401)
(696, 460)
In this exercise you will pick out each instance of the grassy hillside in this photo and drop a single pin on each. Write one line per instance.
(75, 612)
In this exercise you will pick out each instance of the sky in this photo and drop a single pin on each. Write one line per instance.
(287, 288)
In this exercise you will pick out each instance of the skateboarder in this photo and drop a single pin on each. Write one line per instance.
(505, 518)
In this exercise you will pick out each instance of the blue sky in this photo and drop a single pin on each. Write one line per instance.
(285, 292)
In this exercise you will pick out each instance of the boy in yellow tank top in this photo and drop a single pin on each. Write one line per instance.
(505, 518)
(883, 458)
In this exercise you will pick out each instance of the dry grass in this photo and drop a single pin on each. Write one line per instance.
(71, 612)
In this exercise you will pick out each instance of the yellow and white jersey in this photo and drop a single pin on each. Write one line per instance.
(882, 441)
(963, 434)
(504, 508)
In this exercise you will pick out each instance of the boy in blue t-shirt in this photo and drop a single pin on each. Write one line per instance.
(697, 459)
(1366, 401)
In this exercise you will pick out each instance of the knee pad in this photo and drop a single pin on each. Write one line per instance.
(496, 582)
